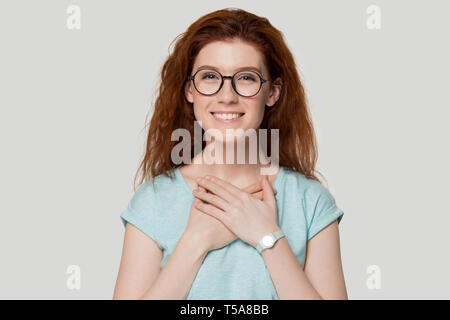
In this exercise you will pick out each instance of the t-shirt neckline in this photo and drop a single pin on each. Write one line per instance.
(187, 188)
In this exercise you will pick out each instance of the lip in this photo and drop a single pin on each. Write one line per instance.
(226, 121)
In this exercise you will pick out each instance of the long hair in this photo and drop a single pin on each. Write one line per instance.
(290, 114)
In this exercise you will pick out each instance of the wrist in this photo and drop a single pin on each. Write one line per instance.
(196, 243)
(269, 239)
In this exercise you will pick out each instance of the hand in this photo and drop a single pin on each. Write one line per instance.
(213, 233)
(256, 190)
(246, 216)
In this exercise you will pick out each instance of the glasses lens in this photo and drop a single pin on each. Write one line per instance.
(207, 81)
(247, 83)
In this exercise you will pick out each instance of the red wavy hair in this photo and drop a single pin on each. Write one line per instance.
(290, 114)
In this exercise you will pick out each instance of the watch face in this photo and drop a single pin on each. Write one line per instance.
(267, 241)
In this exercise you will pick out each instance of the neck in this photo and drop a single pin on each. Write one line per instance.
(243, 172)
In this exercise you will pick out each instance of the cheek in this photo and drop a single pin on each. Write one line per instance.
(257, 115)
(200, 109)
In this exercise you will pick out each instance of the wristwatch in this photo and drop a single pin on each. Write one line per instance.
(269, 240)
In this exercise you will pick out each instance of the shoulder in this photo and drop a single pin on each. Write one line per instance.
(307, 187)
(318, 204)
(312, 193)
(148, 205)
(153, 191)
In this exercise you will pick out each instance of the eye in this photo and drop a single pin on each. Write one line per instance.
(247, 77)
(209, 76)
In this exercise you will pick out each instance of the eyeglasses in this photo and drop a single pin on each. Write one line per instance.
(245, 83)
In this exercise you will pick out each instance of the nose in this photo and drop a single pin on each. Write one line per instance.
(227, 93)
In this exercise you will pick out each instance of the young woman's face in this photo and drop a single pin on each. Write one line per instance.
(228, 57)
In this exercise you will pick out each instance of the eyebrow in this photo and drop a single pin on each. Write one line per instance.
(238, 69)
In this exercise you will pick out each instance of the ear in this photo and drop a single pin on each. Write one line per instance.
(275, 92)
(188, 91)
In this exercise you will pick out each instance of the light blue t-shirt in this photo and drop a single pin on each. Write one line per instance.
(236, 271)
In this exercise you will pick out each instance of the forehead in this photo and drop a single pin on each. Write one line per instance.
(229, 56)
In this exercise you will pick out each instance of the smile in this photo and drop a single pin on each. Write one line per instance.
(227, 117)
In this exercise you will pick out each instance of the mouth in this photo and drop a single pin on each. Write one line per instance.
(227, 117)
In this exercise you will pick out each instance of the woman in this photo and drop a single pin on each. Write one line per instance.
(240, 234)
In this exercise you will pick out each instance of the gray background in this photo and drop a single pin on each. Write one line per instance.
(73, 106)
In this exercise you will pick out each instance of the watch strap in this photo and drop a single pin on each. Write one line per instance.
(276, 235)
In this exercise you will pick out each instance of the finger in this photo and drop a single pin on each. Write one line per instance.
(268, 195)
(196, 201)
(212, 199)
(252, 188)
(226, 192)
(199, 188)
(235, 191)
(214, 212)
(257, 186)
(258, 195)
(231, 188)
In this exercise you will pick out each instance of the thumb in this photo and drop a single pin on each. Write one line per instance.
(268, 195)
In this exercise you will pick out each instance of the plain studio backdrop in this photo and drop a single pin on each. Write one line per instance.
(73, 105)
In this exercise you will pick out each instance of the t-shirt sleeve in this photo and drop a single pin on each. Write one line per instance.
(142, 212)
(321, 209)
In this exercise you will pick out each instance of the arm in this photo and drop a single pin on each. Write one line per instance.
(176, 277)
(139, 266)
(323, 276)
(140, 275)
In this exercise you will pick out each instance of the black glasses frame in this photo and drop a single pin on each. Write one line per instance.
(262, 81)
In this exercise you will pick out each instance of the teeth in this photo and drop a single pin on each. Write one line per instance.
(227, 116)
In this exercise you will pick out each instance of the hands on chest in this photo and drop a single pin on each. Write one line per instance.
(222, 212)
